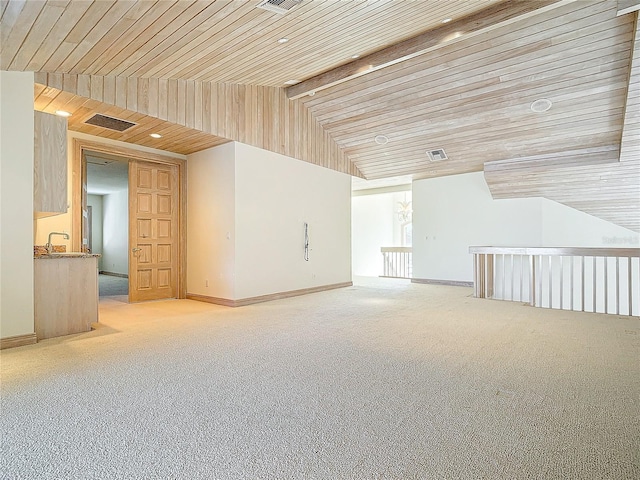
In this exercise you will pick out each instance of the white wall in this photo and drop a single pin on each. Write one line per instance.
(211, 222)
(95, 202)
(115, 232)
(455, 212)
(275, 195)
(452, 213)
(246, 210)
(564, 226)
(16, 203)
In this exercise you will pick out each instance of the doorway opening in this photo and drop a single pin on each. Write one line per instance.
(381, 233)
(142, 215)
(108, 221)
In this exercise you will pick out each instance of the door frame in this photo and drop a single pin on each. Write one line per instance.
(78, 166)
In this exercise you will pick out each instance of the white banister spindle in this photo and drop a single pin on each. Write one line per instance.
(532, 280)
(495, 273)
(396, 262)
(561, 281)
(594, 294)
(630, 284)
(606, 286)
(582, 289)
(617, 286)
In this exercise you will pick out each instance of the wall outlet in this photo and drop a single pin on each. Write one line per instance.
(206, 283)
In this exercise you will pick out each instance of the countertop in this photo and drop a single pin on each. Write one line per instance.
(68, 255)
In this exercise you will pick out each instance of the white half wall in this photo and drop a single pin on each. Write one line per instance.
(211, 222)
(115, 232)
(275, 195)
(95, 202)
(16, 203)
(246, 213)
(455, 212)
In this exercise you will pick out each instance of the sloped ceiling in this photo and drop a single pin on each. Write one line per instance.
(208, 72)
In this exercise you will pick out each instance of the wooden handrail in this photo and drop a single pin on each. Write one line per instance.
(559, 251)
(396, 249)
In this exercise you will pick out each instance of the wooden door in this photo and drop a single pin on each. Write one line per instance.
(153, 231)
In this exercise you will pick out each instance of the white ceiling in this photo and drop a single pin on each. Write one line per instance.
(106, 176)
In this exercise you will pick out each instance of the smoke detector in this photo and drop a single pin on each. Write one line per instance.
(541, 105)
(278, 6)
(437, 155)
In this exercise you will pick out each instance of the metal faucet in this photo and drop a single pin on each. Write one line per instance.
(49, 245)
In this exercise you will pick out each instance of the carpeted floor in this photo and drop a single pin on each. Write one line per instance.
(385, 379)
(110, 286)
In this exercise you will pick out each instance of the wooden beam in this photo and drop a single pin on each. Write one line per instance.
(630, 142)
(628, 6)
(488, 19)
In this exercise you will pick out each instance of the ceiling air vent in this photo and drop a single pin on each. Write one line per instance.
(110, 123)
(437, 155)
(279, 6)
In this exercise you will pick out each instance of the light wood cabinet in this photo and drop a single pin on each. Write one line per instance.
(49, 164)
(66, 294)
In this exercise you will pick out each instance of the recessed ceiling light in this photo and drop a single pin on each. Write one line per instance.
(283, 40)
(312, 93)
(62, 113)
(541, 105)
(355, 56)
(155, 135)
(381, 139)
(446, 20)
(291, 82)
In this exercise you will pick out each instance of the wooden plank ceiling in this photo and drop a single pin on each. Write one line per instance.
(210, 71)
(175, 138)
(217, 41)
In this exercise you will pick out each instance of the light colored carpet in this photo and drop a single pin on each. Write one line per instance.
(385, 379)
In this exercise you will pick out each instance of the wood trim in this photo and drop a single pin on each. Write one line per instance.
(182, 231)
(561, 251)
(628, 6)
(452, 283)
(79, 145)
(265, 298)
(495, 16)
(215, 300)
(18, 341)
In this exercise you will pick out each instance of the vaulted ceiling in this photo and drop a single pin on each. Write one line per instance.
(458, 75)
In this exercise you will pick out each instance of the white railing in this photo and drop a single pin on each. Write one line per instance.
(604, 280)
(397, 262)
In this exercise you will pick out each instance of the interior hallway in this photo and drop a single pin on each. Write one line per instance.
(386, 379)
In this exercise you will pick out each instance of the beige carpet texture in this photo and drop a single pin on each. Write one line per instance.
(382, 380)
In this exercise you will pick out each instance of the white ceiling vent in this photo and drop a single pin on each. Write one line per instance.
(437, 155)
(279, 6)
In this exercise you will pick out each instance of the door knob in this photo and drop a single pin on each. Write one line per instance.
(136, 249)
